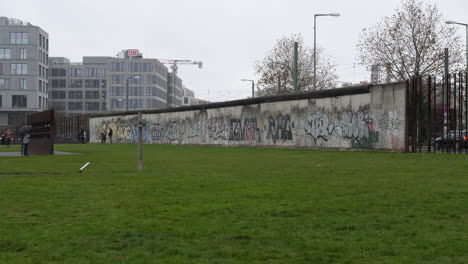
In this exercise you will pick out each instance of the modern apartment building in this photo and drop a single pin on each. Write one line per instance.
(100, 84)
(24, 52)
(174, 95)
(78, 88)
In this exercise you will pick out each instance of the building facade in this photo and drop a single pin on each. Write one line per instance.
(100, 84)
(78, 88)
(174, 93)
(24, 54)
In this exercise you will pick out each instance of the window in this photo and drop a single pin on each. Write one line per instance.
(92, 106)
(103, 83)
(24, 84)
(185, 100)
(104, 105)
(135, 91)
(118, 103)
(140, 67)
(103, 95)
(40, 102)
(40, 40)
(92, 95)
(0, 100)
(18, 38)
(58, 84)
(59, 72)
(92, 83)
(117, 67)
(75, 106)
(59, 105)
(40, 85)
(23, 54)
(1, 68)
(117, 91)
(153, 103)
(4, 83)
(43, 42)
(40, 70)
(58, 94)
(19, 101)
(18, 68)
(74, 72)
(154, 91)
(75, 95)
(135, 103)
(75, 83)
(117, 78)
(47, 44)
(5, 54)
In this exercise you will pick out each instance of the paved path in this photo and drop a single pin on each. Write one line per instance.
(17, 154)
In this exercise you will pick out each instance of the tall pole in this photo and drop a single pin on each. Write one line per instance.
(126, 96)
(315, 53)
(296, 85)
(253, 89)
(140, 142)
(446, 62)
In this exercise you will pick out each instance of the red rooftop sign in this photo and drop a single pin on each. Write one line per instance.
(132, 52)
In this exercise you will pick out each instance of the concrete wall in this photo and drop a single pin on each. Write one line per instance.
(352, 118)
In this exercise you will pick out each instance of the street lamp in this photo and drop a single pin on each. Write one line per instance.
(450, 22)
(253, 85)
(315, 44)
(126, 91)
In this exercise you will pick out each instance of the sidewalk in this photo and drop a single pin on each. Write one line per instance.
(18, 154)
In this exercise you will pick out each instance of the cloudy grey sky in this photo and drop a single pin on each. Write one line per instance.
(228, 36)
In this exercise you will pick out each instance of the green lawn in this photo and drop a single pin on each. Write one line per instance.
(233, 205)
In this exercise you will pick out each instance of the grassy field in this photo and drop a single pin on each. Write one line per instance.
(233, 205)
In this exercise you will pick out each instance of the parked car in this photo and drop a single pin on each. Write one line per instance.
(454, 139)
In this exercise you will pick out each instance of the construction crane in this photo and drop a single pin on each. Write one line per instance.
(174, 66)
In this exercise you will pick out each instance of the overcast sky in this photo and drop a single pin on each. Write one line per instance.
(227, 35)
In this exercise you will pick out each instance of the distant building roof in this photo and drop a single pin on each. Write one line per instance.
(6, 21)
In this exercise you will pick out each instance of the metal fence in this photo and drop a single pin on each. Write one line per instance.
(437, 114)
(67, 128)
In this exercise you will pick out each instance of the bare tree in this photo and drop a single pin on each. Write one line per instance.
(276, 69)
(411, 42)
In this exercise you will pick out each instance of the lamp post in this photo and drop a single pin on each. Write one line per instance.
(315, 44)
(253, 86)
(126, 91)
(466, 26)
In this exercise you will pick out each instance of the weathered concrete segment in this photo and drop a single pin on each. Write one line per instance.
(370, 117)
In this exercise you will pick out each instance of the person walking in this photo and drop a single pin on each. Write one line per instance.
(81, 135)
(103, 136)
(9, 134)
(110, 134)
(26, 144)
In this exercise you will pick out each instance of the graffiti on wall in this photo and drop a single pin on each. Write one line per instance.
(279, 128)
(217, 128)
(244, 130)
(355, 126)
(390, 121)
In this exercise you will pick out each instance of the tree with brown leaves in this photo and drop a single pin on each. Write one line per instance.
(411, 42)
(276, 69)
